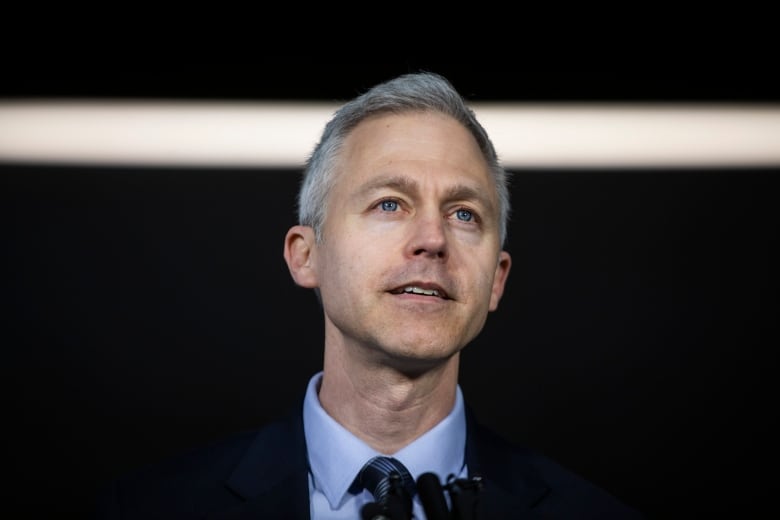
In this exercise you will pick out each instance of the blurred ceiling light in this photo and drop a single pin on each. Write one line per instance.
(282, 134)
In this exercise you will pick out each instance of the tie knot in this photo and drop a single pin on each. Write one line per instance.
(381, 474)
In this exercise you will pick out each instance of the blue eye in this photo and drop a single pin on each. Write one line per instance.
(465, 215)
(389, 205)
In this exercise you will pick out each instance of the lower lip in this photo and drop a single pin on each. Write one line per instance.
(421, 297)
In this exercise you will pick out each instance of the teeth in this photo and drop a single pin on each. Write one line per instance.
(417, 290)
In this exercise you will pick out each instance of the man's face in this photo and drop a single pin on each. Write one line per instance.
(410, 261)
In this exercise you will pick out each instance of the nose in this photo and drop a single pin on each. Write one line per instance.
(428, 235)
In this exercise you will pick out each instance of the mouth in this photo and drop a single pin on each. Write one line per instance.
(432, 290)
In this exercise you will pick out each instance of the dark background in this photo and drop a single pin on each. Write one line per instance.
(732, 71)
(149, 310)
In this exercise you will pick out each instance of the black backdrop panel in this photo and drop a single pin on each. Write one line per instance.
(147, 311)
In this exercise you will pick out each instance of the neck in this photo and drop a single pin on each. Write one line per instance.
(386, 407)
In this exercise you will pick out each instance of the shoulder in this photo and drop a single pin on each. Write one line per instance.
(207, 478)
(211, 460)
(528, 480)
(570, 492)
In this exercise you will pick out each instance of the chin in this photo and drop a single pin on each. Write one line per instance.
(421, 354)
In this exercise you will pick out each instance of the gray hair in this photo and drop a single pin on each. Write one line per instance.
(423, 91)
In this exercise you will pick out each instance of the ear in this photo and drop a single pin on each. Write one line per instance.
(299, 249)
(499, 279)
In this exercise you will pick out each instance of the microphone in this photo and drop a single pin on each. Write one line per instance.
(397, 505)
(431, 494)
(464, 496)
(373, 511)
(393, 509)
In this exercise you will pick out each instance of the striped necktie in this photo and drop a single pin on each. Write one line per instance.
(378, 476)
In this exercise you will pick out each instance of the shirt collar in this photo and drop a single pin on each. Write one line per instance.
(336, 455)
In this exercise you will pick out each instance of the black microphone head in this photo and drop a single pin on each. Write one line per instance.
(464, 495)
(373, 511)
(398, 507)
(431, 495)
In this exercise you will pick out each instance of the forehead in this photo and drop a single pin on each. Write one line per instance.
(421, 144)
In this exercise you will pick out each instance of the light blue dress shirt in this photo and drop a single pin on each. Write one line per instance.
(336, 456)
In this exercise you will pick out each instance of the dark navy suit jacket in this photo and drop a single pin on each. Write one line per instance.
(264, 475)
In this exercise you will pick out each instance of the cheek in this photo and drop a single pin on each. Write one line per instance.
(347, 261)
(485, 279)
(360, 244)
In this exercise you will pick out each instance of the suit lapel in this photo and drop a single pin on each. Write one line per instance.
(272, 477)
(511, 486)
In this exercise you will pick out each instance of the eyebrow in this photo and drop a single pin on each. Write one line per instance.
(396, 182)
(406, 184)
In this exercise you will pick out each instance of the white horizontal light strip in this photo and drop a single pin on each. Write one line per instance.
(282, 134)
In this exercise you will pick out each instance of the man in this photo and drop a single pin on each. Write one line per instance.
(403, 214)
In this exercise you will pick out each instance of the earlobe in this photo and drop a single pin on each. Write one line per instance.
(499, 280)
(299, 249)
